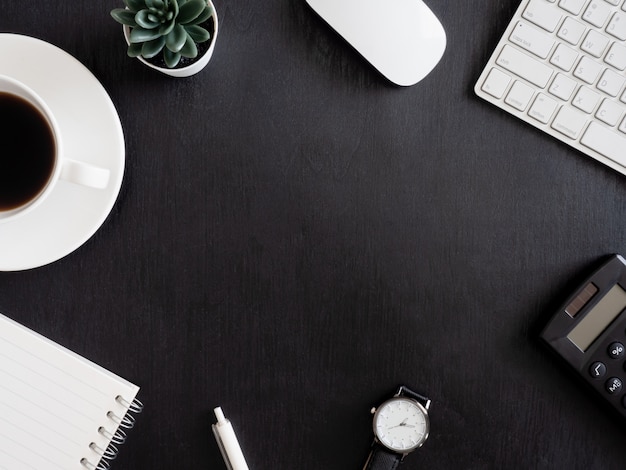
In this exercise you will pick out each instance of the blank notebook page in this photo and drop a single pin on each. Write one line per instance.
(58, 411)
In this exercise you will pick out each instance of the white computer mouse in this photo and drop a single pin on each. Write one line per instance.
(402, 39)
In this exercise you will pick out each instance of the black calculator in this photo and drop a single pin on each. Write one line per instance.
(589, 332)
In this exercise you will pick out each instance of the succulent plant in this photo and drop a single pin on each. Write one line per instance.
(167, 26)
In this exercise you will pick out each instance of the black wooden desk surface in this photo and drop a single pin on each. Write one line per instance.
(295, 237)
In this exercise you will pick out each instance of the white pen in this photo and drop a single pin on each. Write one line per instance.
(227, 442)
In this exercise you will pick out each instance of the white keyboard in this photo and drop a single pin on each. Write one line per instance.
(560, 67)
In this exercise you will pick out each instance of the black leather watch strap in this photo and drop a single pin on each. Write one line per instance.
(404, 391)
(382, 459)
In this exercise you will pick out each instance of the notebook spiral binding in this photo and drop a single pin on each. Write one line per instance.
(119, 437)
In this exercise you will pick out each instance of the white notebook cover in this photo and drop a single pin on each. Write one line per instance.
(58, 410)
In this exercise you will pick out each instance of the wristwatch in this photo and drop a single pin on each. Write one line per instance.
(401, 425)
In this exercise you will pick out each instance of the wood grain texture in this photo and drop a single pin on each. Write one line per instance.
(295, 237)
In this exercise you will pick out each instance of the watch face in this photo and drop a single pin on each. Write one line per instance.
(401, 424)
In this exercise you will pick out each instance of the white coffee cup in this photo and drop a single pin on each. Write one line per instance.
(63, 167)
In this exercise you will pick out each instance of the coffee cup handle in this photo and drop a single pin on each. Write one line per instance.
(85, 174)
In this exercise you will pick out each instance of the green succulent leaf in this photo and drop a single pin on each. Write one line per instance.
(135, 5)
(140, 34)
(175, 40)
(123, 16)
(157, 4)
(147, 20)
(191, 10)
(189, 48)
(134, 50)
(205, 15)
(171, 58)
(197, 33)
(166, 28)
(180, 3)
(152, 48)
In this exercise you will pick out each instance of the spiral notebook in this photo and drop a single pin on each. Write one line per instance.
(58, 410)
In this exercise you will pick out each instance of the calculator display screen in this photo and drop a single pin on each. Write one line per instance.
(598, 318)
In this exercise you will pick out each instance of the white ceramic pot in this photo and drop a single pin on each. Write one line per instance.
(190, 69)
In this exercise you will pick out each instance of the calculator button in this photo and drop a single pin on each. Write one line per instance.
(616, 350)
(613, 385)
(597, 370)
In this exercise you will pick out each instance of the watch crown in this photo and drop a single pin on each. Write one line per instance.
(373, 410)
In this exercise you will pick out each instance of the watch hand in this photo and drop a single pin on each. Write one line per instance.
(402, 424)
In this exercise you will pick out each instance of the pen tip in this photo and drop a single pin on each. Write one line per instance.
(219, 415)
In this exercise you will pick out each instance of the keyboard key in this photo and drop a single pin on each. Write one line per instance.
(571, 31)
(543, 108)
(573, 6)
(597, 13)
(519, 96)
(616, 56)
(587, 70)
(564, 57)
(569, 122)
(543, 15)
(532, 39)
(562, 87)
(622, 126)
(594, 43)
(586, 99)
(609, 112)
(617, 26)
(605, 142)
(496, 83)
(611, 82)
(525, 66)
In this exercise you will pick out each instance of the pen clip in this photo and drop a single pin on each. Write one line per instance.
(220, 445)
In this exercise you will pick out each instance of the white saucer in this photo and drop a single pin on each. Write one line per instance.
(91, 131)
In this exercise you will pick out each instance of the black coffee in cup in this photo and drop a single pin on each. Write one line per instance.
(27, 151)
